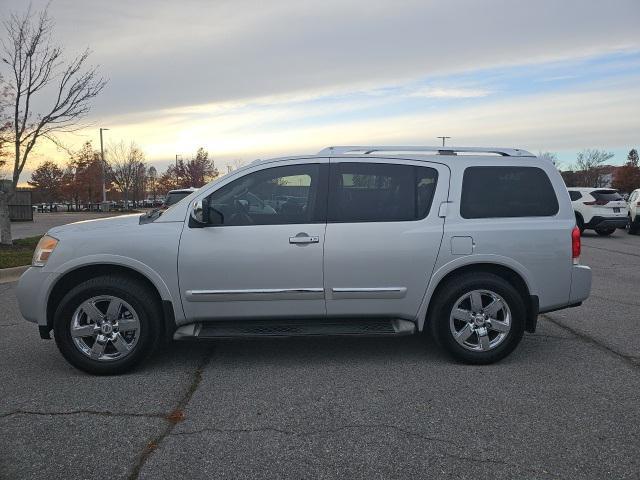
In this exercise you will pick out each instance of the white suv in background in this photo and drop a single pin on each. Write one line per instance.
(599, 209)
(634, 211)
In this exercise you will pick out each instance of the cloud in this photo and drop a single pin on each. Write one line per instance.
(163, 54)
(254, 79)
(430, 92)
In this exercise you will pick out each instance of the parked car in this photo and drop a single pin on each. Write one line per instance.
(174, 196)
(634, 212)
(467, 246)
(599, 209)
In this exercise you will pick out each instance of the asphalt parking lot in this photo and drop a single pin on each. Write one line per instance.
(564, 405)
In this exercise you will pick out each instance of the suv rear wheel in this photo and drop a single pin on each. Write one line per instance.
(478, 318)
(107, 325)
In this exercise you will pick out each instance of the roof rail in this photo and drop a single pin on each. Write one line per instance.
(367, 149)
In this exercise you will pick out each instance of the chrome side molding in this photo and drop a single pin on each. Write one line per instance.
(255, 294)
(368, 292)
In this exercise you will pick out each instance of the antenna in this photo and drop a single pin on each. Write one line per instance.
(443, 139)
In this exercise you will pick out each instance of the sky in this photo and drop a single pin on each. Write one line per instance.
(256, 79)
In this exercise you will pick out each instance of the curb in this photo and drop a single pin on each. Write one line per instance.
(12, 274)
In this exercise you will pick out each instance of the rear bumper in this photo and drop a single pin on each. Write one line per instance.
(607, 222)
(580, 284)
(580, 290)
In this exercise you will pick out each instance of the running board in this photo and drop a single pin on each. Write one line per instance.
(295, 328)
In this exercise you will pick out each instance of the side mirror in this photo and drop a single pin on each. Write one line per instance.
(203, 216)
(198, 215)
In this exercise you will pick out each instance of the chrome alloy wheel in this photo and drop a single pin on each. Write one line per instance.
(480, 320)
(105, 328)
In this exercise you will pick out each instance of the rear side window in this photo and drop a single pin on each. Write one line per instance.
(606, 195)
(380, 192)
(575, 195)
(499, 192)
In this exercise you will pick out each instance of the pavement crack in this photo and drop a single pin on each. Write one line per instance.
(629, 359)
(103, 413)
(173, 418)
(555, 337)
(612, 251)
(329, 431)
(309, 433)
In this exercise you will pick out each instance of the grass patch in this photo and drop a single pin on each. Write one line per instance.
(18, 254)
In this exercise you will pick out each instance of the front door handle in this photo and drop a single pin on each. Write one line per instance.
(304, 238)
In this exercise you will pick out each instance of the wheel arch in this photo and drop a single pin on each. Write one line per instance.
(519, 280)
(76, 276)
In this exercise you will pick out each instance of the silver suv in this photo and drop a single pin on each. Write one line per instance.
(467, 244)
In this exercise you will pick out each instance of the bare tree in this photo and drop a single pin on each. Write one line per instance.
(126, 162)
(550, 157)
(589, 164)
(37, 70)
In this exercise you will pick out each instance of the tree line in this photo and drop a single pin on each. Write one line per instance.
(590, 170)
(127, 176)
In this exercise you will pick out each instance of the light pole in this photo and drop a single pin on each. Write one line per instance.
(104, 191)
(443, 139)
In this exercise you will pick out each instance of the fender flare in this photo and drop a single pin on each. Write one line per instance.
(468, 260)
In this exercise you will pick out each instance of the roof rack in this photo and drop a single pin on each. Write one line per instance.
(367, 149)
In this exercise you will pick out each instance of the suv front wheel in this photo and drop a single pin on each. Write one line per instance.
(478, 318)
(107, 325)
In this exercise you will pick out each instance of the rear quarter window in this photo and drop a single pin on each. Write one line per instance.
(500, 192)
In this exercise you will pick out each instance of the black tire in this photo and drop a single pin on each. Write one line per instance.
(580, 223)
(605, 232)
(456, 288)
(633, 226)
(139, 296)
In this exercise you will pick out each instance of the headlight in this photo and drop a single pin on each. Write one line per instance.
(44, 249)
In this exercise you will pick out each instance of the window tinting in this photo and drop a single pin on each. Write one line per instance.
(606, 195)
(379, 192)
(574, 195)
(494, 192)
(280, 195)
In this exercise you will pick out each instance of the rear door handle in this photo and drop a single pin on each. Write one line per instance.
(304, 238)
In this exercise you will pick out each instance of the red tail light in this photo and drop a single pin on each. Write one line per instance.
(597, 202)
(575, 244)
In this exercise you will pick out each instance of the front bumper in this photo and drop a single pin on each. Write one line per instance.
(32, 293)
(607, 222)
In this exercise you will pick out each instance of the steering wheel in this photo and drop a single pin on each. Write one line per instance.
(240, 215)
